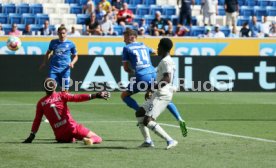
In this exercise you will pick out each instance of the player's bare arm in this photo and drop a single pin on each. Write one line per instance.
(127, 68)
(45, 59)
(75, 59)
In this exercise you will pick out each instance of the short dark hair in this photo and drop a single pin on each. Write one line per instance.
(62, 28)
(166, 44)
(130, 32)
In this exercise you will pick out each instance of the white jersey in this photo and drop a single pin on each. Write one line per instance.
(166, 65)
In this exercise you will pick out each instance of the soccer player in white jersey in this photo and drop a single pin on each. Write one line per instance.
(161, 97)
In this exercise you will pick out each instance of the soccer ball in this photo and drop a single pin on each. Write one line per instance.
(14, 43)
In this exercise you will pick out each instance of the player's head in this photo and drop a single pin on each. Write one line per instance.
(164, 47)
(62, 33)
(50, 85)
(130, 36)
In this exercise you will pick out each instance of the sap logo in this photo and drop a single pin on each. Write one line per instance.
(206, 49)
(267, 50)
(105, 48)
(30, 48)
(107, 77)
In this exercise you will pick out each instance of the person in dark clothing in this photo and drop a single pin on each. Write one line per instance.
(185, 14)
(244, 32)
(231, 9)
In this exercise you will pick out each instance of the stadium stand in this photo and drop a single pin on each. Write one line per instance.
(70, 12)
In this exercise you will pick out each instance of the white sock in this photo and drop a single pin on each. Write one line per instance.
(144, 130)
(159, 130)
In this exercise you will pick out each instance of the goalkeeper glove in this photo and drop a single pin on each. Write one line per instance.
(101, 95)
(30, 138)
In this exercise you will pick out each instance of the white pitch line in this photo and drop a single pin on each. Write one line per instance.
(224, 134)
(107, 103)
(175, 126)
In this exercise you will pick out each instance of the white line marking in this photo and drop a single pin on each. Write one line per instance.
(224, 134)
(106, 103)
(175, 126)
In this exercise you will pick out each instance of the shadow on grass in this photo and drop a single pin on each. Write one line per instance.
(16, 121)
(241, 119)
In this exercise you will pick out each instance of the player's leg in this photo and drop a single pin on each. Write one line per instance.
(64, 79)
(153, 108)
(88, 137)
(126, 96)
(174, 111)
(140, 114)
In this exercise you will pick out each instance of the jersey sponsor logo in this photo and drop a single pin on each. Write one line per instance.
(30, 48)
(267, 49)
(105, 48)
(205, 49)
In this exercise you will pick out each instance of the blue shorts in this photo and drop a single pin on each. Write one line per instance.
(142, 83)
(62, 78)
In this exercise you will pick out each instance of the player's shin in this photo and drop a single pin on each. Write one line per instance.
(158, 130)
(172, 108)
(144, 130)
(131, 103)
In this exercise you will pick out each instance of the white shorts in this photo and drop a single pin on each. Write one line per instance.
(209, 18)
(155, 106)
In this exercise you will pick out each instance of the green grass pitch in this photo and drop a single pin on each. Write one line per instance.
(225, 130)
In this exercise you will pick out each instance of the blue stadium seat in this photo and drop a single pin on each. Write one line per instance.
(28, 18)
(137, 19)
(3, 18)
(36, 8)
(15, 18)
(118, 29)
(250, 3)
(259, 11)
(0, 8)
(273, 3)
(226, 30)
(8, 8)
(71, 1)
(169, 10)
(197, 30)
(135, 2)
(220, 2)
(149, 2)
(75, 8)
(142, 10)
(246, 11)
(241, 2)
(23, 8)
(271, 10)
(7, 28)
(36, 27)
(40, 18)
(174, 19)
(155, 8)
(81, 18)
(197, 2)
(242, 19)
(263, 2)
(132, 8)
(83, 2)
(221, 10)
(21, 27)
(148, 18)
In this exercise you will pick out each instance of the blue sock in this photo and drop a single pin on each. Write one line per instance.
(172, 108)
(131, 103)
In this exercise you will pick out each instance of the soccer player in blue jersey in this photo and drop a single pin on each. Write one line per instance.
(136, 60)
(59, 54)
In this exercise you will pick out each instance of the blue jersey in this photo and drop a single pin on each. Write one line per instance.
(61, 58)
(139, 57)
